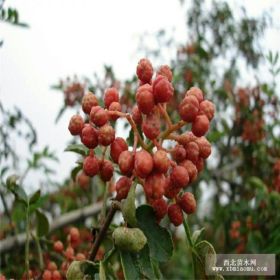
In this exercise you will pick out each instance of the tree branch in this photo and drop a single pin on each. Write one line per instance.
(114, 207)
(77, 215)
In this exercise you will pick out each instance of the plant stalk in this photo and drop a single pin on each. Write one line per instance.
(113, 209)
(27, 243)
(188, 232)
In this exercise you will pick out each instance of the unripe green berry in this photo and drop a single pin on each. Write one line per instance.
(129, 239)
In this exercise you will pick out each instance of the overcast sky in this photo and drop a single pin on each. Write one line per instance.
(69, 37)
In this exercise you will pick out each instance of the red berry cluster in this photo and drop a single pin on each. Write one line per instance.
(73, 90)
(75, 237)
(250, 101)
(162, 172)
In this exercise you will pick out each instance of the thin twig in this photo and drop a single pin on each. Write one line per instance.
(6, 209)
(188, 232)
(113, 209)
(165, 134)
(27, 243)
(104, 206)
(132, 124)
(164, 113)
(39, 250)
(135, 142)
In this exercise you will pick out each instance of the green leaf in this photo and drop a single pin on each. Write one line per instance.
(159, 239)
(3, 171)
(60, 113)
(89, 268)
(130, 138)
(137, 266)
(129, 269)
(11, 182)
(35, 197)
(77, 148)
(273, 244)
(156, 269)
(21, 195)
(145, 264)
(18, 192)
(128, 207)
(255, 242)
(19, 212)
(75, 171)
(201, 252)
(102, 274)
(196, 234)
(81, 270)
(276, 58)
(256, 183)
(39, 203)
(42, 223)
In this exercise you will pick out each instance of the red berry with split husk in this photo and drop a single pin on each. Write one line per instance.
(47, 275)
(154, 185)
(83, 180)
(111, 95)
(89, 100)
(179, 177)
(151, 125)
(161, 161)
(186, 137)
(144, 70)
(89, 136)
(200, 126)
(106, 135)
(106, 170)
(197, 92)
(56, 275)
(76, 125)
(162, 89)
(204, 147)
(93, 110)
(187, 203)
(52, 266)
(126, 162)
(191, 168)
(207, 108)
(145, 99)
(58, 246)
(178, 153)
(100, 117)
(160, 207)
(175, 214)
(192, 151)
(90, 166)
(80, 257)
(122, 187)
(69, 253)
(115, 107)
(117, 147)
(199, 164)
(189, 108)
(74, 234)
(166, 72)
(143, 163)
(170, 191)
